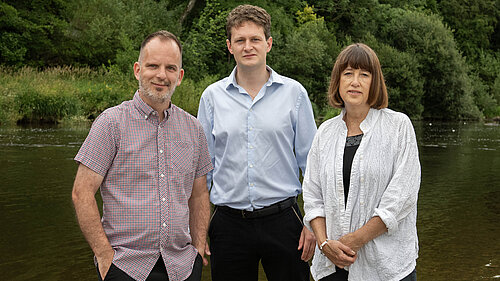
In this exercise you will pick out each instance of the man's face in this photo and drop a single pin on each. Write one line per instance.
(248, 44)
(159, 71)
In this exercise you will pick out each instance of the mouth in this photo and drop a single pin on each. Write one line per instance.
(160, 85)
(354, 92)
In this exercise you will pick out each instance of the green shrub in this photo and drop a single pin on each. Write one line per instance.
(187, 95)
(405, 84)
(34, 106)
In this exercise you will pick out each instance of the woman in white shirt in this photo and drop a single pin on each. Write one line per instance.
(362, 179)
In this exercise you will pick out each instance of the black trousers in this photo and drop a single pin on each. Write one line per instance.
(341, 275)
(238, 244)
(159, 272)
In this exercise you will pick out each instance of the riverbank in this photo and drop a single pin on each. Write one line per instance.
(80, 94)
(71, 94)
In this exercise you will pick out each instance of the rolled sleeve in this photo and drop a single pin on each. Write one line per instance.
(311, 187)
(400, 197)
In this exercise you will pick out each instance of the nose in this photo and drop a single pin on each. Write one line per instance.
(248, 45)
(161, 74)
(355, 80)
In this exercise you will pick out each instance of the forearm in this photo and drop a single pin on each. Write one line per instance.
(371, 230)
(86, 185)
(318, 226)
(199, 210)
(88, 217)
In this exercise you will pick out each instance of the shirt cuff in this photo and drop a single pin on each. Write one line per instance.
(312, 214)
(389, 220)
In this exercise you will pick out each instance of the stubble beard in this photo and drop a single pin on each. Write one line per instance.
(149, 93)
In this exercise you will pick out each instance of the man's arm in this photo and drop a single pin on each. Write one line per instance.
(199, 216)
(86, 184)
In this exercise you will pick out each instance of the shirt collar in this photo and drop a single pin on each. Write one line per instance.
(370, 119)
(273, 78)
(146, 110)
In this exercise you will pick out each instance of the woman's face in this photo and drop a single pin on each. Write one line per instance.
(354, 86)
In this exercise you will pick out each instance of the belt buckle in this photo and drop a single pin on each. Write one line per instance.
(243, 214)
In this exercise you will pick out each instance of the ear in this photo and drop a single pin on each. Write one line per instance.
(137, 69)
(269, 43)
(181, 75)
(228, 43)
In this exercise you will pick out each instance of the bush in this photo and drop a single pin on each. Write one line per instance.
(447, 87)
(403, 79)
(34, 106)
(187, 95)
(307, 57)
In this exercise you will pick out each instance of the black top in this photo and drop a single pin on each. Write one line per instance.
(351, 145)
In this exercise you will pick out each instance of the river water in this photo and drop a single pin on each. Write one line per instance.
(458, 219)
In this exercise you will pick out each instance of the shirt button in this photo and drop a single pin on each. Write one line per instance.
(251, 147)
(164, 224)
(161, 151)
(145, 117)
(162, 175)
(251, 166)
(250, 128)
(163, 199)
(251, 184)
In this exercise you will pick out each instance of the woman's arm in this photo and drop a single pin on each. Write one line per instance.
(338, 253)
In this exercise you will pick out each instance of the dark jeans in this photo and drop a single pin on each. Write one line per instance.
(238, 244)
(159, 272)
(341, 275)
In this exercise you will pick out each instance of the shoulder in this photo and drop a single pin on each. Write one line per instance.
(185, 119)
(116, 114)
(214, 88)
(292, 83)
(330, 126)
(398, 118)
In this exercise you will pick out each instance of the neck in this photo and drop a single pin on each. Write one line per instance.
(353, 118)
(158, 106)
(252, 79)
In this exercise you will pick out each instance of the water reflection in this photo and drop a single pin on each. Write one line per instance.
(457, 222)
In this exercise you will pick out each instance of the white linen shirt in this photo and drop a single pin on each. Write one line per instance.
(385, 180)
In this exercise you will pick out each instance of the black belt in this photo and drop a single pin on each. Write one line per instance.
(266, 211)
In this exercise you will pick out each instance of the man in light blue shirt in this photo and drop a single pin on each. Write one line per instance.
(259, 127)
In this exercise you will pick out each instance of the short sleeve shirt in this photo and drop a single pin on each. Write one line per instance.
(149, 168)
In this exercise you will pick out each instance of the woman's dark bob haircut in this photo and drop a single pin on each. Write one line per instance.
(359, 56)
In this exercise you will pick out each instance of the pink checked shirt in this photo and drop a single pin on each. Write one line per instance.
(148, 168)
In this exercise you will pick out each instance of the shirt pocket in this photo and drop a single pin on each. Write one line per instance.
(182, 157)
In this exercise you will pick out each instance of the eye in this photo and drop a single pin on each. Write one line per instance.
(256, 39)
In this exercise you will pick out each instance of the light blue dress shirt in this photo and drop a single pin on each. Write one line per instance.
(257, 146)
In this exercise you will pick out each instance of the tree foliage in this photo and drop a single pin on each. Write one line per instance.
(441, 59)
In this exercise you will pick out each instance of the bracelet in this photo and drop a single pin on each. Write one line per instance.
(323, 244)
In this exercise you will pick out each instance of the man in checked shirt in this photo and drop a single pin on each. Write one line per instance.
(150, 159)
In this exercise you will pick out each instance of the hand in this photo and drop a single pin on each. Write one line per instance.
(307, 244)
(339, 254)
(104, 262)
(207, 252)
(351, 241)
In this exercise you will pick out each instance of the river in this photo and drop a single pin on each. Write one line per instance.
(458, 207)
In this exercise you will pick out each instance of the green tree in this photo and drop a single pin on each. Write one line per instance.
(308, 55)
(402, 72)
(447, 87)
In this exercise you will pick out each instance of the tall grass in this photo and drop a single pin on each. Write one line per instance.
(62, 94)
